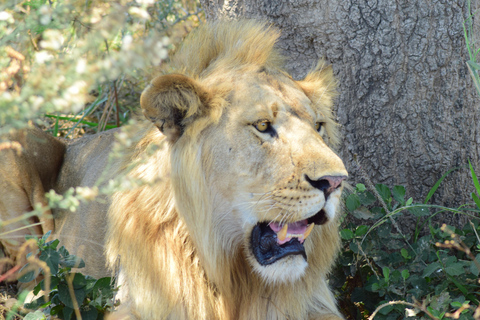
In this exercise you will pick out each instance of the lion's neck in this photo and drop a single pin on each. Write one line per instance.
(174, 276)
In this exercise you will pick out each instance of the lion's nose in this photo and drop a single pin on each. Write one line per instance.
(327, 184)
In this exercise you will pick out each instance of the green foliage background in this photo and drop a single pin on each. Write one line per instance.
(431, 272)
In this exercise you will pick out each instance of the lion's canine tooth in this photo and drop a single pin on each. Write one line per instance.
(282, 234)
(308, 231)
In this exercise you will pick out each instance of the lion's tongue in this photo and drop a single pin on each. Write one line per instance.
(297, 229)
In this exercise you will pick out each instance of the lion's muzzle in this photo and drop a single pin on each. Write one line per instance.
(273, 241)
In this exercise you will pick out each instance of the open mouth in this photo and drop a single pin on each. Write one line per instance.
(272, 241)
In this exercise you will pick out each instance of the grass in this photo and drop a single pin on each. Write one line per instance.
(472, 48)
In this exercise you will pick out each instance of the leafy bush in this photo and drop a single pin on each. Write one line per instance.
(75, 67)
(65, 294)
(386, 274)
(82, 63)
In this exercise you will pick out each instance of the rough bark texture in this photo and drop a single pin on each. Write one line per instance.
(407, 105)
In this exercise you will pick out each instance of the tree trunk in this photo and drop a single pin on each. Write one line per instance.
(407, 104)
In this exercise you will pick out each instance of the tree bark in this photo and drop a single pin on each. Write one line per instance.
(407, 104)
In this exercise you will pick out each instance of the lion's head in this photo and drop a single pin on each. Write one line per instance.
(259, 144)
(256, 185)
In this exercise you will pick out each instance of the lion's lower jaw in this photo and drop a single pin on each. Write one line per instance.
(286, 270)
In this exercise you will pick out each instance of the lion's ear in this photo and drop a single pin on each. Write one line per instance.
(173, 101)
(320, 85)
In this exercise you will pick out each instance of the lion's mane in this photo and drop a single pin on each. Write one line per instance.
(176, 268)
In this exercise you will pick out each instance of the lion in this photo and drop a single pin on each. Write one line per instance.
(237, 215)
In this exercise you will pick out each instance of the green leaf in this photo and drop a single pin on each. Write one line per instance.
(73, 119)
(385, 231)
(409, 201)
(405, 274)
(360, 187)
(37, 303)
(88, 313)
(346, 234)
(63, 252)
(79, 281)
(55, 298)
(67, 313)
(37, 288)
(37, 315)
(52, 244)
(51, 258)
(386, 310)
(386, 273)
(71, 261)
(55, 310)
(437, 184)
(431, 268)
(367, 198)
(475, 198)
(363, 213)
(361, 231)
(437, 314)
(46, 235)
(384, 192)
(27, 277)
(55, 128)
(474, 65)
(64, 295)
(404, 253)
(354, 247)
(352, 202)
(90, 284)
(455, 269)
(399, 194)
(473, 266)
(103, 283)
(54, 280)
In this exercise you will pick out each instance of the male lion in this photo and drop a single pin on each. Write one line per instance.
(238, 218)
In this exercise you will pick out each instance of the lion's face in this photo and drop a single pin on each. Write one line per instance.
(260, 178)
(273, 178)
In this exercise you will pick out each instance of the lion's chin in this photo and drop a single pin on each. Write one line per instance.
(286, 270)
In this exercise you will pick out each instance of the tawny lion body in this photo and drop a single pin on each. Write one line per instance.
(237, 214)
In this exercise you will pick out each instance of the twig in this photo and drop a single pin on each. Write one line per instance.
(458, 244)
(71, 291)
(117, 118)
(20, 228)
(76, 308)
(9, 273)
(114, 281)
(372, 188)
(368, 260)
(475, 230)
(415, 305)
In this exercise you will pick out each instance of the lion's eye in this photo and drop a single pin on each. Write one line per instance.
(318, 126)
(262, 126)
